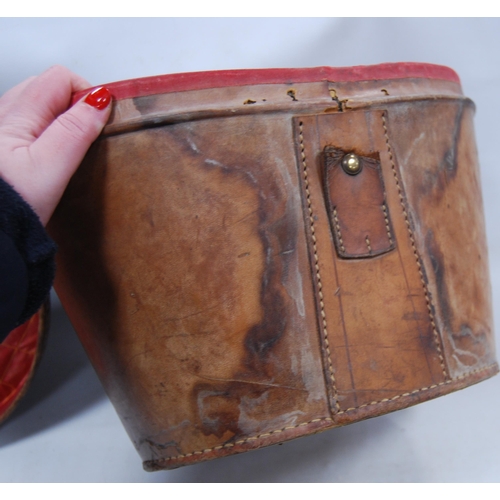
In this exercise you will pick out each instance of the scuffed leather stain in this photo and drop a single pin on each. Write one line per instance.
(239, 369)
(145, 104)
(262, 337)
(437, 259)
(444, 168)
(450, 160)
(441, 176)
(470, 349)
(219, 406)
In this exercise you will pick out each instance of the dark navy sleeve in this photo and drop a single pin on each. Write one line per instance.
(27, 266)
(13, 285)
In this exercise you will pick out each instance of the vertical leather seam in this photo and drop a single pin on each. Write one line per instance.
(316, 265)
(437, 337)
(367, 240)
(387, 227)
(337, 228)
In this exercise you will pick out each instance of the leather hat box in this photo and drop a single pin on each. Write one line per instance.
(251, 256)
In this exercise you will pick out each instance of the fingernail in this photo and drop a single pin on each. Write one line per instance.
(99, 98)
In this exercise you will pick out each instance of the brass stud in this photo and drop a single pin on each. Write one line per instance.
(351, 164)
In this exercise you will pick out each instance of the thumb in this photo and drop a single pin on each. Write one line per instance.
(62, 146)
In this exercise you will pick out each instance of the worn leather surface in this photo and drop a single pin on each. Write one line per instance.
(441, 177)
(198, 261)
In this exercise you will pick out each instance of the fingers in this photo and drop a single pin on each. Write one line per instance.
(8, 99)
(42, 141)
(33, 105)
(14, 92)
(62, 146)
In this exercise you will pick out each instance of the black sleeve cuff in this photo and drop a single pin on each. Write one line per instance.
(21, 225)
(13, 285)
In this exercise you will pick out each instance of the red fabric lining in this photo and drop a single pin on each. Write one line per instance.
(17, 357)
(179, 82)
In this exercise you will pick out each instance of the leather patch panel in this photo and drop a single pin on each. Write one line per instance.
(356, 204)
(375, 319)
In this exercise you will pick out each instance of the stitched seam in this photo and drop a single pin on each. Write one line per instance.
(368, 244)
(423, 389)
(316, 265)
(387, 227)
(325, 419)
(415, 253)
(246, 440)
(337, 228)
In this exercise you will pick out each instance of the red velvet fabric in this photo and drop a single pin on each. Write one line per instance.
(227, 78)
(18, 354)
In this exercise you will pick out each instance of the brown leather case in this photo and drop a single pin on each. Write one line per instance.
(236, 287)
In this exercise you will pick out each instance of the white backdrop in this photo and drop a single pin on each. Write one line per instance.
(66, 429)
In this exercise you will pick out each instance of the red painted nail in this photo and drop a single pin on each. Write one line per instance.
(99, 98)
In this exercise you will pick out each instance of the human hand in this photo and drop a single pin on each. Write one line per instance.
(42, 142)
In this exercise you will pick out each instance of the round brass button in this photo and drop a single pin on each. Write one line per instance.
(351, 164)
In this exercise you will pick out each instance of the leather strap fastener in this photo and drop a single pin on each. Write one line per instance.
(356, 205)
